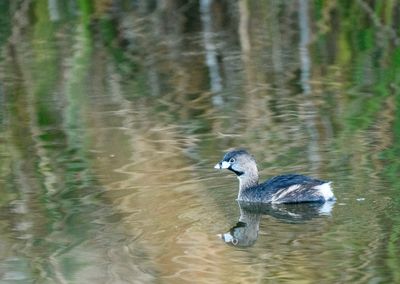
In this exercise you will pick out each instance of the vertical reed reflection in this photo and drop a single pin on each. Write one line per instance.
(210, 47)
(305, 67)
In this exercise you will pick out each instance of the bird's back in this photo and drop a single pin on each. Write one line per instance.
(285, 181)
(290, 188)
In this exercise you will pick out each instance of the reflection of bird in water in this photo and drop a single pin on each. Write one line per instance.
(245, 232)
(291, 188)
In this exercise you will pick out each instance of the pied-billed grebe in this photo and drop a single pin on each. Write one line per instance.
(290, 188)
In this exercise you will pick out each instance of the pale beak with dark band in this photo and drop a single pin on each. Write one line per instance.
(222, 165)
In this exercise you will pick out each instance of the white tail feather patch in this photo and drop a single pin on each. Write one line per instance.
(325, 190)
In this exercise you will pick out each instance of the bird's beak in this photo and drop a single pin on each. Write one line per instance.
(222, 165)
(228, 238)
(225, 237)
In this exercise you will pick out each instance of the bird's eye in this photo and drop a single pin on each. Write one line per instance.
(231, 160)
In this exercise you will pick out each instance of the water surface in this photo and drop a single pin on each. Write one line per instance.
(113, 114)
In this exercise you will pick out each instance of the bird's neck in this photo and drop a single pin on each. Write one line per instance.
(246, 181)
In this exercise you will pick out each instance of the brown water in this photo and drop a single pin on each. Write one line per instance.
(113, 114)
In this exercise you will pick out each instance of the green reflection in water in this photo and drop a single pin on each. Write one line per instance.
(50, 174)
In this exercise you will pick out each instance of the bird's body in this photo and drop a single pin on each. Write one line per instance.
(290, 188)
